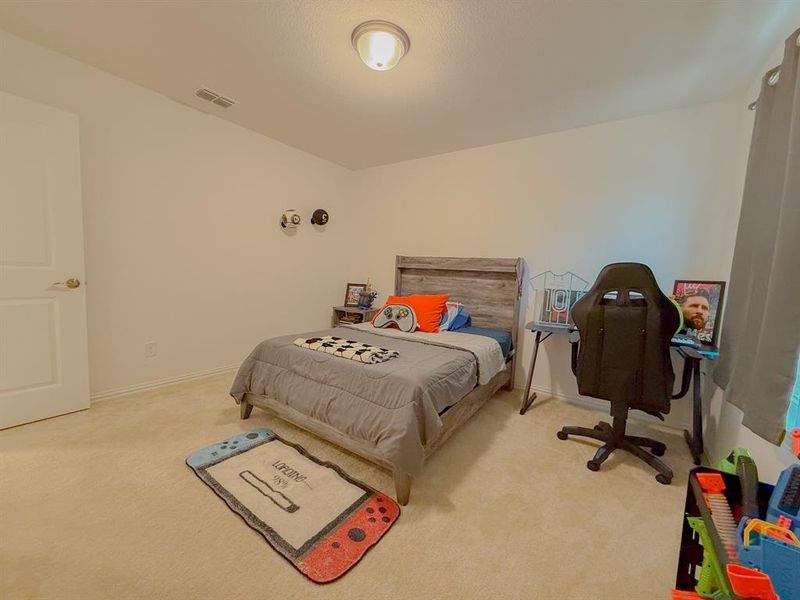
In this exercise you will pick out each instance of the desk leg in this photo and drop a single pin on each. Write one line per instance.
(528, 398)
(695, 439)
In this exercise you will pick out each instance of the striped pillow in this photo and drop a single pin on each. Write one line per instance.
(452, 310)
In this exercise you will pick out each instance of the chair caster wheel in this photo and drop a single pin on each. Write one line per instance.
(561, 435)
(593, 466)
(663, 479)
(658, 450)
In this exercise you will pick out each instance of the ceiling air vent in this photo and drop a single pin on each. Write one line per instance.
(215, 97)
(223, 101)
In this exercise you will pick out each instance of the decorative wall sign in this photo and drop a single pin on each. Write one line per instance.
(554, 296)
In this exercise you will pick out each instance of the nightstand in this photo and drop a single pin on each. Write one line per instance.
(359, 315)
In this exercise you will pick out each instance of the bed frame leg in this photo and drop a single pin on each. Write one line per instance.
(402, 487)
(245, 408)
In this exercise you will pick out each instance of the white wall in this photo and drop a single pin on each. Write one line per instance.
(723, 421)
(181, 235)
(662, 189)
(182, 245)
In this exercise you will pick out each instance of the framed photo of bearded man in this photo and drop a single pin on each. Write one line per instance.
(701, 308)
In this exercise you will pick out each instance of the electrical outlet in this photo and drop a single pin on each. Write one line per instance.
(150, 350)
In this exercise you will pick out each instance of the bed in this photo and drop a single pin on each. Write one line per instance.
(397, 413)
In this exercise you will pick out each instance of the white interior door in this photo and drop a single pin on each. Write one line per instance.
(43, 350)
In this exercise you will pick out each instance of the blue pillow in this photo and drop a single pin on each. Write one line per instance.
(462, 319)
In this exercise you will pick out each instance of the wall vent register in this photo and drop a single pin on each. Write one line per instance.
(214, 97)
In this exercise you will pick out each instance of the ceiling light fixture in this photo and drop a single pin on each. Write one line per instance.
(380, 44)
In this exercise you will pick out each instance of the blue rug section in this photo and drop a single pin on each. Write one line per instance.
(225, 448)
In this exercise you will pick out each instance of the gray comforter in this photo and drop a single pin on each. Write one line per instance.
(394, 405)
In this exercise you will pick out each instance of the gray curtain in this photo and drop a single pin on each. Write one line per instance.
(761, 335)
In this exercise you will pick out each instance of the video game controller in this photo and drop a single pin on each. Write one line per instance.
(400, 315)
(346, 544)
(235, 445)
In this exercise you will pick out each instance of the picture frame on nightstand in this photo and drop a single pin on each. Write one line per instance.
(353, 293)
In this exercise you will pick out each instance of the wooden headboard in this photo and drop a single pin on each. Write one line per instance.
(489, 288)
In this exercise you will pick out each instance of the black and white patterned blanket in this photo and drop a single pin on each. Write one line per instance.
(353, 350)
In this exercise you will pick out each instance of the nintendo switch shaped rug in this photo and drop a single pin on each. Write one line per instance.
(314, 514)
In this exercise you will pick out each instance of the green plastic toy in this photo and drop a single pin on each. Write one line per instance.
(728, 464)
(712, 582)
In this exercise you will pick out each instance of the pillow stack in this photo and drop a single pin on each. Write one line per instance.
(428, 309)
(433, 312)
(455, 317)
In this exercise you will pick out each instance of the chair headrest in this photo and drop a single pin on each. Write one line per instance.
(626, 276)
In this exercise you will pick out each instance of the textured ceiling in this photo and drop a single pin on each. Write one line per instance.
(479, 71)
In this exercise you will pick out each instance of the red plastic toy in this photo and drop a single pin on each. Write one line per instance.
(686, 595)
(796, 442)
(784, 521)
(711, 483)
(749, 583)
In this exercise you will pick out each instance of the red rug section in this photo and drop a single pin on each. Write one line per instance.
(345, 546)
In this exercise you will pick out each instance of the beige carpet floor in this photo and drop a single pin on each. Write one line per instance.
(100, 504)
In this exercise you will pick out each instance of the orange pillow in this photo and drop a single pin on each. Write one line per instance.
(428, 308)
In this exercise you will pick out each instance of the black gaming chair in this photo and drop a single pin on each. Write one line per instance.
(625, 324)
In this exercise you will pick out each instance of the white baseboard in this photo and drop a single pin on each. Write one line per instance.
(601, 405)
(151, 385)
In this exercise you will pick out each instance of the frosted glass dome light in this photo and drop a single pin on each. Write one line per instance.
(380, 44)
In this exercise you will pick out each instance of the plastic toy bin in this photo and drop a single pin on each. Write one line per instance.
(690, 557)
